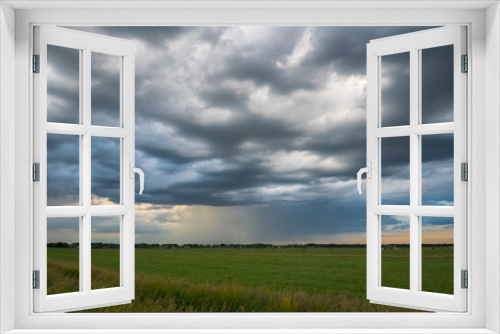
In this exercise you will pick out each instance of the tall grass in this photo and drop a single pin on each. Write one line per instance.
(157, 294)
(63, 277)
(154, 294)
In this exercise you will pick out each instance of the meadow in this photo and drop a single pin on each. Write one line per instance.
(251, 280)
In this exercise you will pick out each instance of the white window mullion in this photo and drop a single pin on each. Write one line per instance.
(414, 172)
(421, 129)
(123, 192)
(378, 251)
(103, 131)
(86, 156)
(434, 129)
(434, 211)
(392, 131)
(397, 210)
(108, 210)
(86, 119)
(67, 129)
(80, 130)
(66, 211)
(423, 211)
(419, 169)
(122, 251)
(123, 175)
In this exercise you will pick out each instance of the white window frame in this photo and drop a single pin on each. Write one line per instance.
(481, 17)
(86, 44)
(414, 43)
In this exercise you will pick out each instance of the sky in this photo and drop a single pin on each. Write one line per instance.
(250, 134)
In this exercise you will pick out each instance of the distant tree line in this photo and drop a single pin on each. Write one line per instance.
(256, 245)
(77, 245)
(101, 245)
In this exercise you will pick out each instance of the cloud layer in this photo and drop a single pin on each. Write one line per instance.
(249, 134)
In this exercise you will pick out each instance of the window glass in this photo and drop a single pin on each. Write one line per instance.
(63, 85)
(105, 252)
(395, 171)
(395, 89)
(438, 169)
(63, 255)
(63, 170)
(395, 251)
(105, 89)
(437, 84)
(105, 171)
(437, 254)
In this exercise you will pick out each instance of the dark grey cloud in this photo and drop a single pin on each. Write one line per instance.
(437, 84)
(224, 98)
(437, 221)
(438, 169)
(63, 170)
(343, 49)
(395, 93)
(437, 147)
(63, 77)
(395, 156)
(105, 168)
(264, 72)
(105, 102)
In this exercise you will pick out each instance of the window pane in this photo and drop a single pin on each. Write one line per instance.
(105, 252)
(63, 255)
(437, 170)
(105, 171)
(395, 89)
(395, 171)
(63, 85)
(437, 84)
(63, 170)
(395, 251)
(437, 254)
(105, 90)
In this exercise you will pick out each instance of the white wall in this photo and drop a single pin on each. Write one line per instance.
(7, 161)
(492, 165)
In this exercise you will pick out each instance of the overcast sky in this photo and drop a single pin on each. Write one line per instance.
(250, 134)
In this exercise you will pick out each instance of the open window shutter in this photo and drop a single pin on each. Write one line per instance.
(83, 295)
(414, 295)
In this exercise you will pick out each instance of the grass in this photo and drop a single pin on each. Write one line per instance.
(248, 280)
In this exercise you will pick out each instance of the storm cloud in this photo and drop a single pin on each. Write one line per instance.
(262, 128)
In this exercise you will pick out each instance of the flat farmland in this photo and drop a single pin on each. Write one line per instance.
(251, 280)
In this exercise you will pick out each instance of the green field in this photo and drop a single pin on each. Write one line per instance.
(251, 280)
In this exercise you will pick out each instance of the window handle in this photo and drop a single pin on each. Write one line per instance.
(139, 171)
(368, 171)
